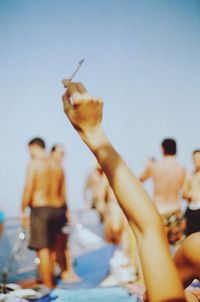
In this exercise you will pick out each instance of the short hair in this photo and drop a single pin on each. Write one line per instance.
(169, 146)
(37, 141)
(54, 148)
(196, 151)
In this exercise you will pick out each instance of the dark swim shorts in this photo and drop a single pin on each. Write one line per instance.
(193, 221)
(45, 224)
(59, 219)
(40, 228)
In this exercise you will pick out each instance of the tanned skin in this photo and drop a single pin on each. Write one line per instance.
(97, 184)
(191, 190)
(85, 114)
(168, 178)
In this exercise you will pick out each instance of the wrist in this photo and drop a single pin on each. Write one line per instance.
(95, 139)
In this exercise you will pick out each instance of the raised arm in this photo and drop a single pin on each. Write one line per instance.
(85, 114)
(28, 188)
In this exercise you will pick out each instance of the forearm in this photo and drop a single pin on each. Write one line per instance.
(26, 199)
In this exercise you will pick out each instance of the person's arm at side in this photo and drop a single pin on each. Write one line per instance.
(146, 174)
(186, 187)
(28, 192)
(85, 114)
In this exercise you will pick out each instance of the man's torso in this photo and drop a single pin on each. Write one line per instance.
(42, 183)
(168, 177)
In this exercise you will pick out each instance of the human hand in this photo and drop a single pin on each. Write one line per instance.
(83, 110)
(25, 221)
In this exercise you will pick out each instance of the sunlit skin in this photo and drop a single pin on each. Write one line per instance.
(187, 259)
(106, 205)
(95, 187)
(168, 178)
(191, 190)
(115, 224)
(85, 114)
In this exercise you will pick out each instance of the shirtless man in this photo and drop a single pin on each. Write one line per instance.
(104, 201)
(168, 178)
(61, 214)
(191, 193)
(85, 114)
(95, 188)
(37, 196)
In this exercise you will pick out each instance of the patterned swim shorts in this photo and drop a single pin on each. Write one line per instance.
(175, 225)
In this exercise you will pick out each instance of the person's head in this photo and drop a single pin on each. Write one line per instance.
(196, 159)
(58, 152)
(36, 147)
(169, 146)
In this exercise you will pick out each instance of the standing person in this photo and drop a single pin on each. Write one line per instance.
(168, 178)
(37, 196)
(61, 214)
(95, 188)
(85, 114)
(115, 223)
(191, 193)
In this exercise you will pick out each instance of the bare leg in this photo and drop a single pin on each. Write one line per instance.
(46, 267)
(65, 260)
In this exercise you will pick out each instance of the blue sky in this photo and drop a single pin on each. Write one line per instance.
(141, 57)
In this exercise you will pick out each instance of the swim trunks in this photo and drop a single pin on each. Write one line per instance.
(175, 225)
(193, 221)
(41, 228)
(58, 219)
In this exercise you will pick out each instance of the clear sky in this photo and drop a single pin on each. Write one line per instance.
(142, 57)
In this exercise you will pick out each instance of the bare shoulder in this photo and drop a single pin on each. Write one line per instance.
(191, 248)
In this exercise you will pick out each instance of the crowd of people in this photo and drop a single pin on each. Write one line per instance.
(121, 202)
(171, 184)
